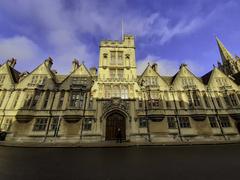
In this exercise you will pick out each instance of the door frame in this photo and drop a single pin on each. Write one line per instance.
(122, 125)
(238, 126)
(119, 111)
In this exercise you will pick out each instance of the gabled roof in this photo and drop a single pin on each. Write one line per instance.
(205, 78)
(140, 77)
(47, 68)
(149, 66)
(81, 65)
(168, 79)
(180, 70)
(13, 73)
(59, 78)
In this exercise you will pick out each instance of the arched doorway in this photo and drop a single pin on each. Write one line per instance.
(238, 127)
(113, 122)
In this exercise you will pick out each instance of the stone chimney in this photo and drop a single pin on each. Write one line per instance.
(54, 71)
(93, 71)
(75, 64)
(49, 62)
(183, 65)
(12, 62)
(155, 67)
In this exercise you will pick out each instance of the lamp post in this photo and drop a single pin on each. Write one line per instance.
(176, 114)
(86, 90)
(84, 108)
(146, 109)
(217, 116)
(54, 91)
(58, 125)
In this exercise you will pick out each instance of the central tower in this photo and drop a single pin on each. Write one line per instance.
(117, 69)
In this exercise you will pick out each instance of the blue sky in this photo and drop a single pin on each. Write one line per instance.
(169, 32)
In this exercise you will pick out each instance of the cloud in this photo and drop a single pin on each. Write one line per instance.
(60, 27)
(169, 67)
(158, 26)
(19, 47)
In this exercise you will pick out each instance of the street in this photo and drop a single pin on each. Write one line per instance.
(161, 162)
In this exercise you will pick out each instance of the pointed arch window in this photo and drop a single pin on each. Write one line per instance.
(61, 99)
(120, 58)
(124, 92)
(15, 99)
(35, 99)
(196, 99)
(218, 100)
(113, 57)
(206, 100)
(76, 99)
(107, 91)
(180, 99)
(45, 103)
(167, 100)
(233, 99)
(116, 91)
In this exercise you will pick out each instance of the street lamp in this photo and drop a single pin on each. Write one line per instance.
(146, 108)
(86, 90)
(216, 111)
(176, 114)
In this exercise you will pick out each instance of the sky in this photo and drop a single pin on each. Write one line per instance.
(168, 32)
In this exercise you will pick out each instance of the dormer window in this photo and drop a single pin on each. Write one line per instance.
(188, 83)
(79, 80)
(38, 79)
(222, 81)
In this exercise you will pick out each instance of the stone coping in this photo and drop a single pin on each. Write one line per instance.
(108, 144)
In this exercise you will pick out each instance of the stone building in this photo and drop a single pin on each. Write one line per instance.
(89, 106)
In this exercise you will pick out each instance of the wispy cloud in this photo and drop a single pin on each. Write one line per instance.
(158, 26)
(170, 67)
(20, 47)
(67, 29)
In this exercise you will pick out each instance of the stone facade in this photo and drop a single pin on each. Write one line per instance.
(89, 106)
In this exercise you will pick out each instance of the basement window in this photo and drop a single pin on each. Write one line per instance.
(87, 124)
(213, 121)
(142, 122)
(40, 124)
(184, 122)
(171, 123)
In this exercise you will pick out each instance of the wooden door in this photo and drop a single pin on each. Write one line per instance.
(115, 121)
(238, 127)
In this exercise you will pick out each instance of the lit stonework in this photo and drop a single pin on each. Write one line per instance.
(89, 106)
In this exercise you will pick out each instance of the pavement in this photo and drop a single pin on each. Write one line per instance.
(109, 144)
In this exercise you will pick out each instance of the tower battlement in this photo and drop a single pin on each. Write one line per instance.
(128, 41)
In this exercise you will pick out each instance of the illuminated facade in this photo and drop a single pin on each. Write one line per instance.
(89, 106)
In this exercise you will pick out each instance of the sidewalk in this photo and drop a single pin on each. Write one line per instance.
(108, 144)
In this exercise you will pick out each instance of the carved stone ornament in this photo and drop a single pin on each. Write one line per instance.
(116, 103)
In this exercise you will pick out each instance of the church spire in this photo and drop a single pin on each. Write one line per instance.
(225, 54)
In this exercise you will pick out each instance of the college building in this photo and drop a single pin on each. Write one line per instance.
(90, 104)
